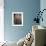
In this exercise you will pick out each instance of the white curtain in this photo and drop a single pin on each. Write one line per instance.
(1, 20)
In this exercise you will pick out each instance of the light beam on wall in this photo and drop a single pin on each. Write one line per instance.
(1, 24)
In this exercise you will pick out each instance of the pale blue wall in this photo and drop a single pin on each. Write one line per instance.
(29, 7)
(43, 6)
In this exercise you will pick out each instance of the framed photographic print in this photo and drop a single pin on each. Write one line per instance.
(17, 18)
